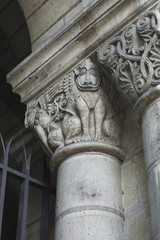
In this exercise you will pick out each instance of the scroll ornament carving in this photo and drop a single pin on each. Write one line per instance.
(74, 110)
(133, 58)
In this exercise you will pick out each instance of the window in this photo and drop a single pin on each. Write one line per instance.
(17, 188)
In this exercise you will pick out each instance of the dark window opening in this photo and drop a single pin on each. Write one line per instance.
(24, 200)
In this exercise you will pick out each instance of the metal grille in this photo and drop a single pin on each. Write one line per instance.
(26, 180)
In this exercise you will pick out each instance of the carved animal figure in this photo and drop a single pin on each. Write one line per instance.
(76, 109)
(89, 98)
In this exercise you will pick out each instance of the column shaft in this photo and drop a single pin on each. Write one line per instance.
(151, 140)
(89, 198)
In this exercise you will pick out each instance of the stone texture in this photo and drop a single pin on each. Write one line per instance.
(77, 117)
(104, 226)
(135, 199)
(133, 57)
(31, 6)
(89, 198)
(44, 18)
(75, 110)
(77, 35)
(134, 184)
(67, 47)
(151, 134)
(133, 60)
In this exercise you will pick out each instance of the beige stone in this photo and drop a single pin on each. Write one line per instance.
(67, 47)
(29, 7)
(59, 48)
(44, 18)
(128, 57)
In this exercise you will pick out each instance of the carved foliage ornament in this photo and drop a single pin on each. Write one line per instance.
(74, 110)
(134, 57)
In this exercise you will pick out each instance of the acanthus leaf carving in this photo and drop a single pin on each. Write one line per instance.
(137, 54)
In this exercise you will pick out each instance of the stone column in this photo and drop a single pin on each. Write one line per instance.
(150, 117)
(134, 60)
(89, 194)
(77, 125)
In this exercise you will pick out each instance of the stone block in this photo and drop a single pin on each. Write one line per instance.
(29, 7)
(47, 16)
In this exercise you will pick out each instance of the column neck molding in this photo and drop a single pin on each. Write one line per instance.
(133, 58)
(87, 147)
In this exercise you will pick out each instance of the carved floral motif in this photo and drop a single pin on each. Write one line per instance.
(134, 56)
(75, 110)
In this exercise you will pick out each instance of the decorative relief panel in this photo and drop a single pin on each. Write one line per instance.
(134, 57)
(75, 110)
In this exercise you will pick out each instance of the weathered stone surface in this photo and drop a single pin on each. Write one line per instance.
(71, 44)
(31, 6)
(75, 36)
(135, 199)
(75, 110)
(151, 139)
(44, 18)
(78, 126)
(89, 198)
(134, 60)
(134, 184)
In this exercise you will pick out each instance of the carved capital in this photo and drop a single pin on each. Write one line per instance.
(133, 58)
(74, 110)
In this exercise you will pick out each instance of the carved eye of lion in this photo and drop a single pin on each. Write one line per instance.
(83, 71)
(93, 71)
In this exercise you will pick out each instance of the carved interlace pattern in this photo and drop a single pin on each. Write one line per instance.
(134, 56)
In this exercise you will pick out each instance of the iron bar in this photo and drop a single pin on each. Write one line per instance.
(23, 200)
(26, 180)
(32, 181)
(3, 177)
(45, 204)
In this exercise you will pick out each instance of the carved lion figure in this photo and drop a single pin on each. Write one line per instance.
(76, 110)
